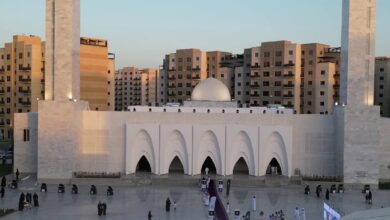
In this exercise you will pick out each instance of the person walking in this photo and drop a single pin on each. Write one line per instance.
(3, 182)
(150, 215)
(99, 206)
(174, 205)
(168, 205)
(104, 208)
(254, 203)
(228, 207)
(2, 192)
(327, 194)
(35, 198)
(296, 214)
(206, 171)
(17, 174)
(21, 202)
(370, 197)
(262, 217)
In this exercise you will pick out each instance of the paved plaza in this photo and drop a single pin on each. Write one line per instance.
(134, 202)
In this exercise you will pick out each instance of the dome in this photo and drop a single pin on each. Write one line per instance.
(211, 90)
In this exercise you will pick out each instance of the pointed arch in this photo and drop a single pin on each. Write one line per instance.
(209, 147)
(176, 166)
(209, 163)
(241, 167)
(175, 146)
(242, 147)
(143, 165)
(275, 148)
(143, 147)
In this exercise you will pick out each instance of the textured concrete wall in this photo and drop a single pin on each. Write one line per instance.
(25, 152)
(58, 137)
(62, 80)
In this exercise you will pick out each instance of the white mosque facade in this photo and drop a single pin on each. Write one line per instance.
(65, 138)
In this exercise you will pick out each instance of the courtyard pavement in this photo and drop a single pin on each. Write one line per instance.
(134, 202)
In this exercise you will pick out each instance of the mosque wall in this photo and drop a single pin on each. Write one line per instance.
(115, 142)
(384, 156)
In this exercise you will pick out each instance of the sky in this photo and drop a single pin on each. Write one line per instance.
(141, 32)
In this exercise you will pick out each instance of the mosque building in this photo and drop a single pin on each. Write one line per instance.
(65, 138)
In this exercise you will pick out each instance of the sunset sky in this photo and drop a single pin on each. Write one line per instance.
(141, 32)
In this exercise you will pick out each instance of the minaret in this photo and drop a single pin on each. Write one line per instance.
(358, 53)
(62, 79)
(359, 136)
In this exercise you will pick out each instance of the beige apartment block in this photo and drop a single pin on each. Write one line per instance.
(96, 74)
(319, 78)
(21, 79)
(382, 85)
(275, 74)
(185, 69)
(136, 86)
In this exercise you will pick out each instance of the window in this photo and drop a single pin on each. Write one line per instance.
(381, 87)
(322, 83)
(381, 95)
(20, 55)
(278, 83)
(188, 59)
(310, 52)
(278, 93)
(266, 93)
(290, 52)
(188, 68)
(108, 82)
(323, 72)
(310, 62)
(267, 54)
(180, 60)
(256, 54)
(222, 75)
(8, 56)
(278, 53)
(309, 93)
(278, 73)
(266, 74)
(26, 135)
(197, 58)
(8, 67)
(310, 73)
(322, 93)
(265, 83)
(278, 63)
(266, 64)
(381, 70)
(309, 103)
(239, 75)
(310, 83)
(381, 78)
(322, 103)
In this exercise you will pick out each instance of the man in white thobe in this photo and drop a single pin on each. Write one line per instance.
(254, 203)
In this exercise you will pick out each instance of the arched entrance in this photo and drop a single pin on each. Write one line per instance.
(176, 166)
(143, 166)
(274, 168)
(209, 164)
(241, 168)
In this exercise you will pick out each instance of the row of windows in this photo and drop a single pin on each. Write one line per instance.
(277, 53)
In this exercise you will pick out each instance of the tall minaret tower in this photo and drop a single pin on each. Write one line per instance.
(62, 79)
(359, 134)
(358, 53)
(60, 114)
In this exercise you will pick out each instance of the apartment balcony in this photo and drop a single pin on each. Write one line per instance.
(25, 80)
(171, 78)
(2, 91)
(2, 70)
(255, 95)
(255, 66)
(25, 103)
(289, 75)
(171, 69)
(2, 102)
(288, 96)
(171, 94)
(2, 113)
(256, 75)
(27, 91)
(196, 77)
(288, 85)
(289, 65)
(336, 86)
(255, 85)
(196, 69)
(25, 69)
(337, 75)
(2, 123)
(172, 86)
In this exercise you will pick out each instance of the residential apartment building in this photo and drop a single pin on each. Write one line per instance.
(136, 86)
(97, 76)
(22, 77)
(275, 74)
(184, 70)
(319, 78)
(382, 85)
